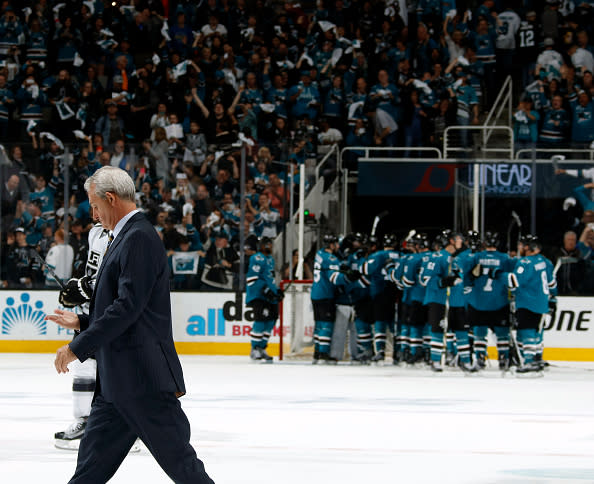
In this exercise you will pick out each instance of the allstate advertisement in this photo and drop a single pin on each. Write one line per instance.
(213, 317)
(210, 323)
(220, 323)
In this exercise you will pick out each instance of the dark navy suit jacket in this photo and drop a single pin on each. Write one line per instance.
(128, 329)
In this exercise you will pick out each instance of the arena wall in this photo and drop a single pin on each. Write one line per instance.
(219, 324)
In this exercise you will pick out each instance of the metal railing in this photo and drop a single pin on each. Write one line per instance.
(504, 99)
(588, 154)
(450, 150)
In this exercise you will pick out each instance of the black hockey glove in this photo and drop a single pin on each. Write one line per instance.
(552, 305)
(76, 292)
(269, 294)
(494, 273)
(280, 295)
(352, 275)
(449, 281)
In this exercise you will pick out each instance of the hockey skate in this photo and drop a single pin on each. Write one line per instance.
(402, 357)
(69, 439)
(479, 362)
(530, 370)
(544, 365)
(451, 360)
(467, 367)
(325, 358)
(436, 366)
(503, 363)
(415, 358)
(265, 357)
(256, 354)
(379, 358)
(363, 358)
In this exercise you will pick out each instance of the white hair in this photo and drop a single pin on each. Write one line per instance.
(114, 180)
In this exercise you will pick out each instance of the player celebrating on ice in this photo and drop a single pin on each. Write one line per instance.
(263, 296)
(437, 279)
(327, 276)
(416, 294)
(383, 293)
(535, 287)
(488, 305)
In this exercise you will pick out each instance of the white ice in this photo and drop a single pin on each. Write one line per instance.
(294, 423)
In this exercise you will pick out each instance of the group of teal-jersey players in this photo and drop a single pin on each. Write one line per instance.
(437, 298)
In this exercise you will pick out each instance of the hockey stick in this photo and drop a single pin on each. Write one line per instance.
(49, 268)
(376, 221)
(445, 329)
(518, 222)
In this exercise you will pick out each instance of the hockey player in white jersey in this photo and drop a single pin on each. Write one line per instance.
(77, 293)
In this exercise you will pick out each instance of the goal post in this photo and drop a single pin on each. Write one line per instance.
(296, 319)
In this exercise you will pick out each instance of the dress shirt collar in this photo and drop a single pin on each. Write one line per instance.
(120, 225)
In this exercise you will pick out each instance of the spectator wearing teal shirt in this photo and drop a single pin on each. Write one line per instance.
(305, 98)
(582, 126)
(526, 123)
(555, 123)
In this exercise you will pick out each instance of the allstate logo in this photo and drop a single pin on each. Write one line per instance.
(23, 320)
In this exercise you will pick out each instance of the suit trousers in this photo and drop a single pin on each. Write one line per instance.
(161, 424)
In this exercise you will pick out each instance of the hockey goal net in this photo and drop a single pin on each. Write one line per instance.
(296, 320)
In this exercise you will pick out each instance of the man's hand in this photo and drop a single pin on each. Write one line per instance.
(66, 319)
(63, 357)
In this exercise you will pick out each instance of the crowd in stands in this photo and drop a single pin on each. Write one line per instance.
(165, 89)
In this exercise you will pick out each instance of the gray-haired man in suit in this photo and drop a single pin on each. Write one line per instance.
(128, 329)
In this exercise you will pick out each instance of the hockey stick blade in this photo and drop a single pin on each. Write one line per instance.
(376, 221)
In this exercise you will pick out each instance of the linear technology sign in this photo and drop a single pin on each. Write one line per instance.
(422, 178)
(506, 179)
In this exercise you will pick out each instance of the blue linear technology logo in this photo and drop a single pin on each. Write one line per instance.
(23, 320)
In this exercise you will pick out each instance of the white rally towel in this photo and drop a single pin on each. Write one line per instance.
(165, 31)
(45, 134)
(180, 69)
(64, 110)
(325, 25)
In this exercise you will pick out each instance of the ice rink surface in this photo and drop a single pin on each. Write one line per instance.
(294, 423)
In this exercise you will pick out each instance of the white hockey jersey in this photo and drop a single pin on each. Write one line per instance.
(97, 247)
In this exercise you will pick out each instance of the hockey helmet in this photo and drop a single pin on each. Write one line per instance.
(390, 240)
(265, 244)
(421, 241)
(491, 239)
(531, 241)
(443, 238)
(329, 239)
(360, 237)
(474, 240)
